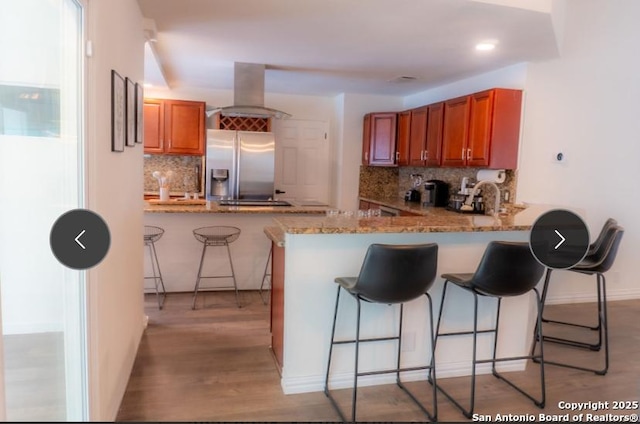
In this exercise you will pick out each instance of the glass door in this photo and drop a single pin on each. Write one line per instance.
(41, 177)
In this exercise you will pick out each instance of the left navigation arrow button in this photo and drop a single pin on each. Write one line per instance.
(78, 241)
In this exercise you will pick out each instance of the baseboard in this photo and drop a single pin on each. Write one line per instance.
(612, 295)
(296, 385)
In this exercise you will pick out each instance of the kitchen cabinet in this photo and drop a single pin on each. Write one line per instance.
(174, 127)
(153, 111)
(379, 139)
(455, 131)
(482, 129)
(433, 142)
(418, 136)
(403, 138)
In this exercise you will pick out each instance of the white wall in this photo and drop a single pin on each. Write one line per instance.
(115, 188)
(586, 105)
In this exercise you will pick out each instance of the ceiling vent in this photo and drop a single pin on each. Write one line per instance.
(248, 94)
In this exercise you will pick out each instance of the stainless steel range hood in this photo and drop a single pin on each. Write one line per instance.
(248, 94)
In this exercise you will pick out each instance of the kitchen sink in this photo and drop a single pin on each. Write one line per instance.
(249, 202)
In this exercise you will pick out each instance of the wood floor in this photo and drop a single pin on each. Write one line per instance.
(214, 364)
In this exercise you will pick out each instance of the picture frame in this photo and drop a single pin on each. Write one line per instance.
(117, 112)
(139, 113)
(130, 109)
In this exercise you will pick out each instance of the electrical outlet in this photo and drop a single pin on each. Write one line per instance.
(409, 342)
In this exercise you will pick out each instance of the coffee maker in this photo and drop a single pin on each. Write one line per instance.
(414, 195)
(436, 193)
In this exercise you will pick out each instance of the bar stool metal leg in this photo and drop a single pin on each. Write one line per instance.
(233, 275)
(474, 362)
(265, 275)
(157, 277)
(195, 290)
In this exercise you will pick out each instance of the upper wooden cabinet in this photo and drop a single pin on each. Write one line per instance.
(422, 130)
(379, 139)
(174, 127)
(455, 131)
(403, 138)
(418, 136)
(482, 129)
(433, 142)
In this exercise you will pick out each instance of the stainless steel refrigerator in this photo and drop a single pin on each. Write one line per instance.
(239, 165)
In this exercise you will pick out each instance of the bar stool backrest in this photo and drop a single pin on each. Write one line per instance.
(397, 273)
(593, 247)
(603, 258)
(507, 269)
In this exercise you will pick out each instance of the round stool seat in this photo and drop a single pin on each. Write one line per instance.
(216, 235)
(152, 234)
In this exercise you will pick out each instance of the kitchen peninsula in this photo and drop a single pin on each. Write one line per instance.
(179, 252)
(310, 252)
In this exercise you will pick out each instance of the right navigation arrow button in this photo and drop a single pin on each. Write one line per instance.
(562, 239)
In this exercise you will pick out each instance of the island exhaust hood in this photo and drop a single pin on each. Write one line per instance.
(248, 94)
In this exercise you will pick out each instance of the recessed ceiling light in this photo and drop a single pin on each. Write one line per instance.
(485, 46)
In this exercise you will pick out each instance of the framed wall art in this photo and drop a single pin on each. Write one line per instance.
(117, 112)
(139, 114)
(131, 113)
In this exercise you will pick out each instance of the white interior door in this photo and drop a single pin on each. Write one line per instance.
(302, 160)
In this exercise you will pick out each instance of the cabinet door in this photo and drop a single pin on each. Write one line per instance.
(418, 136)
(184, 127)
(402, 141)
(383, 139)
(366, 139)
(480, 122)
(153, 114)
(455, 131)
(433, 143)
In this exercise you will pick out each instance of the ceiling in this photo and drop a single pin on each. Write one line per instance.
(326, 47)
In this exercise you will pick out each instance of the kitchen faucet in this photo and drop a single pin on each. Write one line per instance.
(467, 203)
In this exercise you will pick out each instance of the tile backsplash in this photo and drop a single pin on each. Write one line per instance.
(392, 182)
(184, 177)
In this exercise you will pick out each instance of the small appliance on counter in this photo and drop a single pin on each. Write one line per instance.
(436, 193)
(414, 195)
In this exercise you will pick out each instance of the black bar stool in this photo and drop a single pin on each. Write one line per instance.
(220, 236)
(266, 276)
(390, 274)
(599, 259)
(151, 235)
(506, 269)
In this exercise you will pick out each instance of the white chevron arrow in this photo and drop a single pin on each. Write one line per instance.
(82, 245)
(561, 241)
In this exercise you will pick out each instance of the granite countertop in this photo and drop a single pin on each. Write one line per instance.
(431, 220)
(275, 234)
(202, 206)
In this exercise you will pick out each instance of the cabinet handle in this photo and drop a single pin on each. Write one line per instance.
(468, 154)
(426, 155)
(397, 156)
(463, 153)
(421, 154)
(366, 156)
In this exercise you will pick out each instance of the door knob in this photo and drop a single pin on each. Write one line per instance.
(280, 191)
